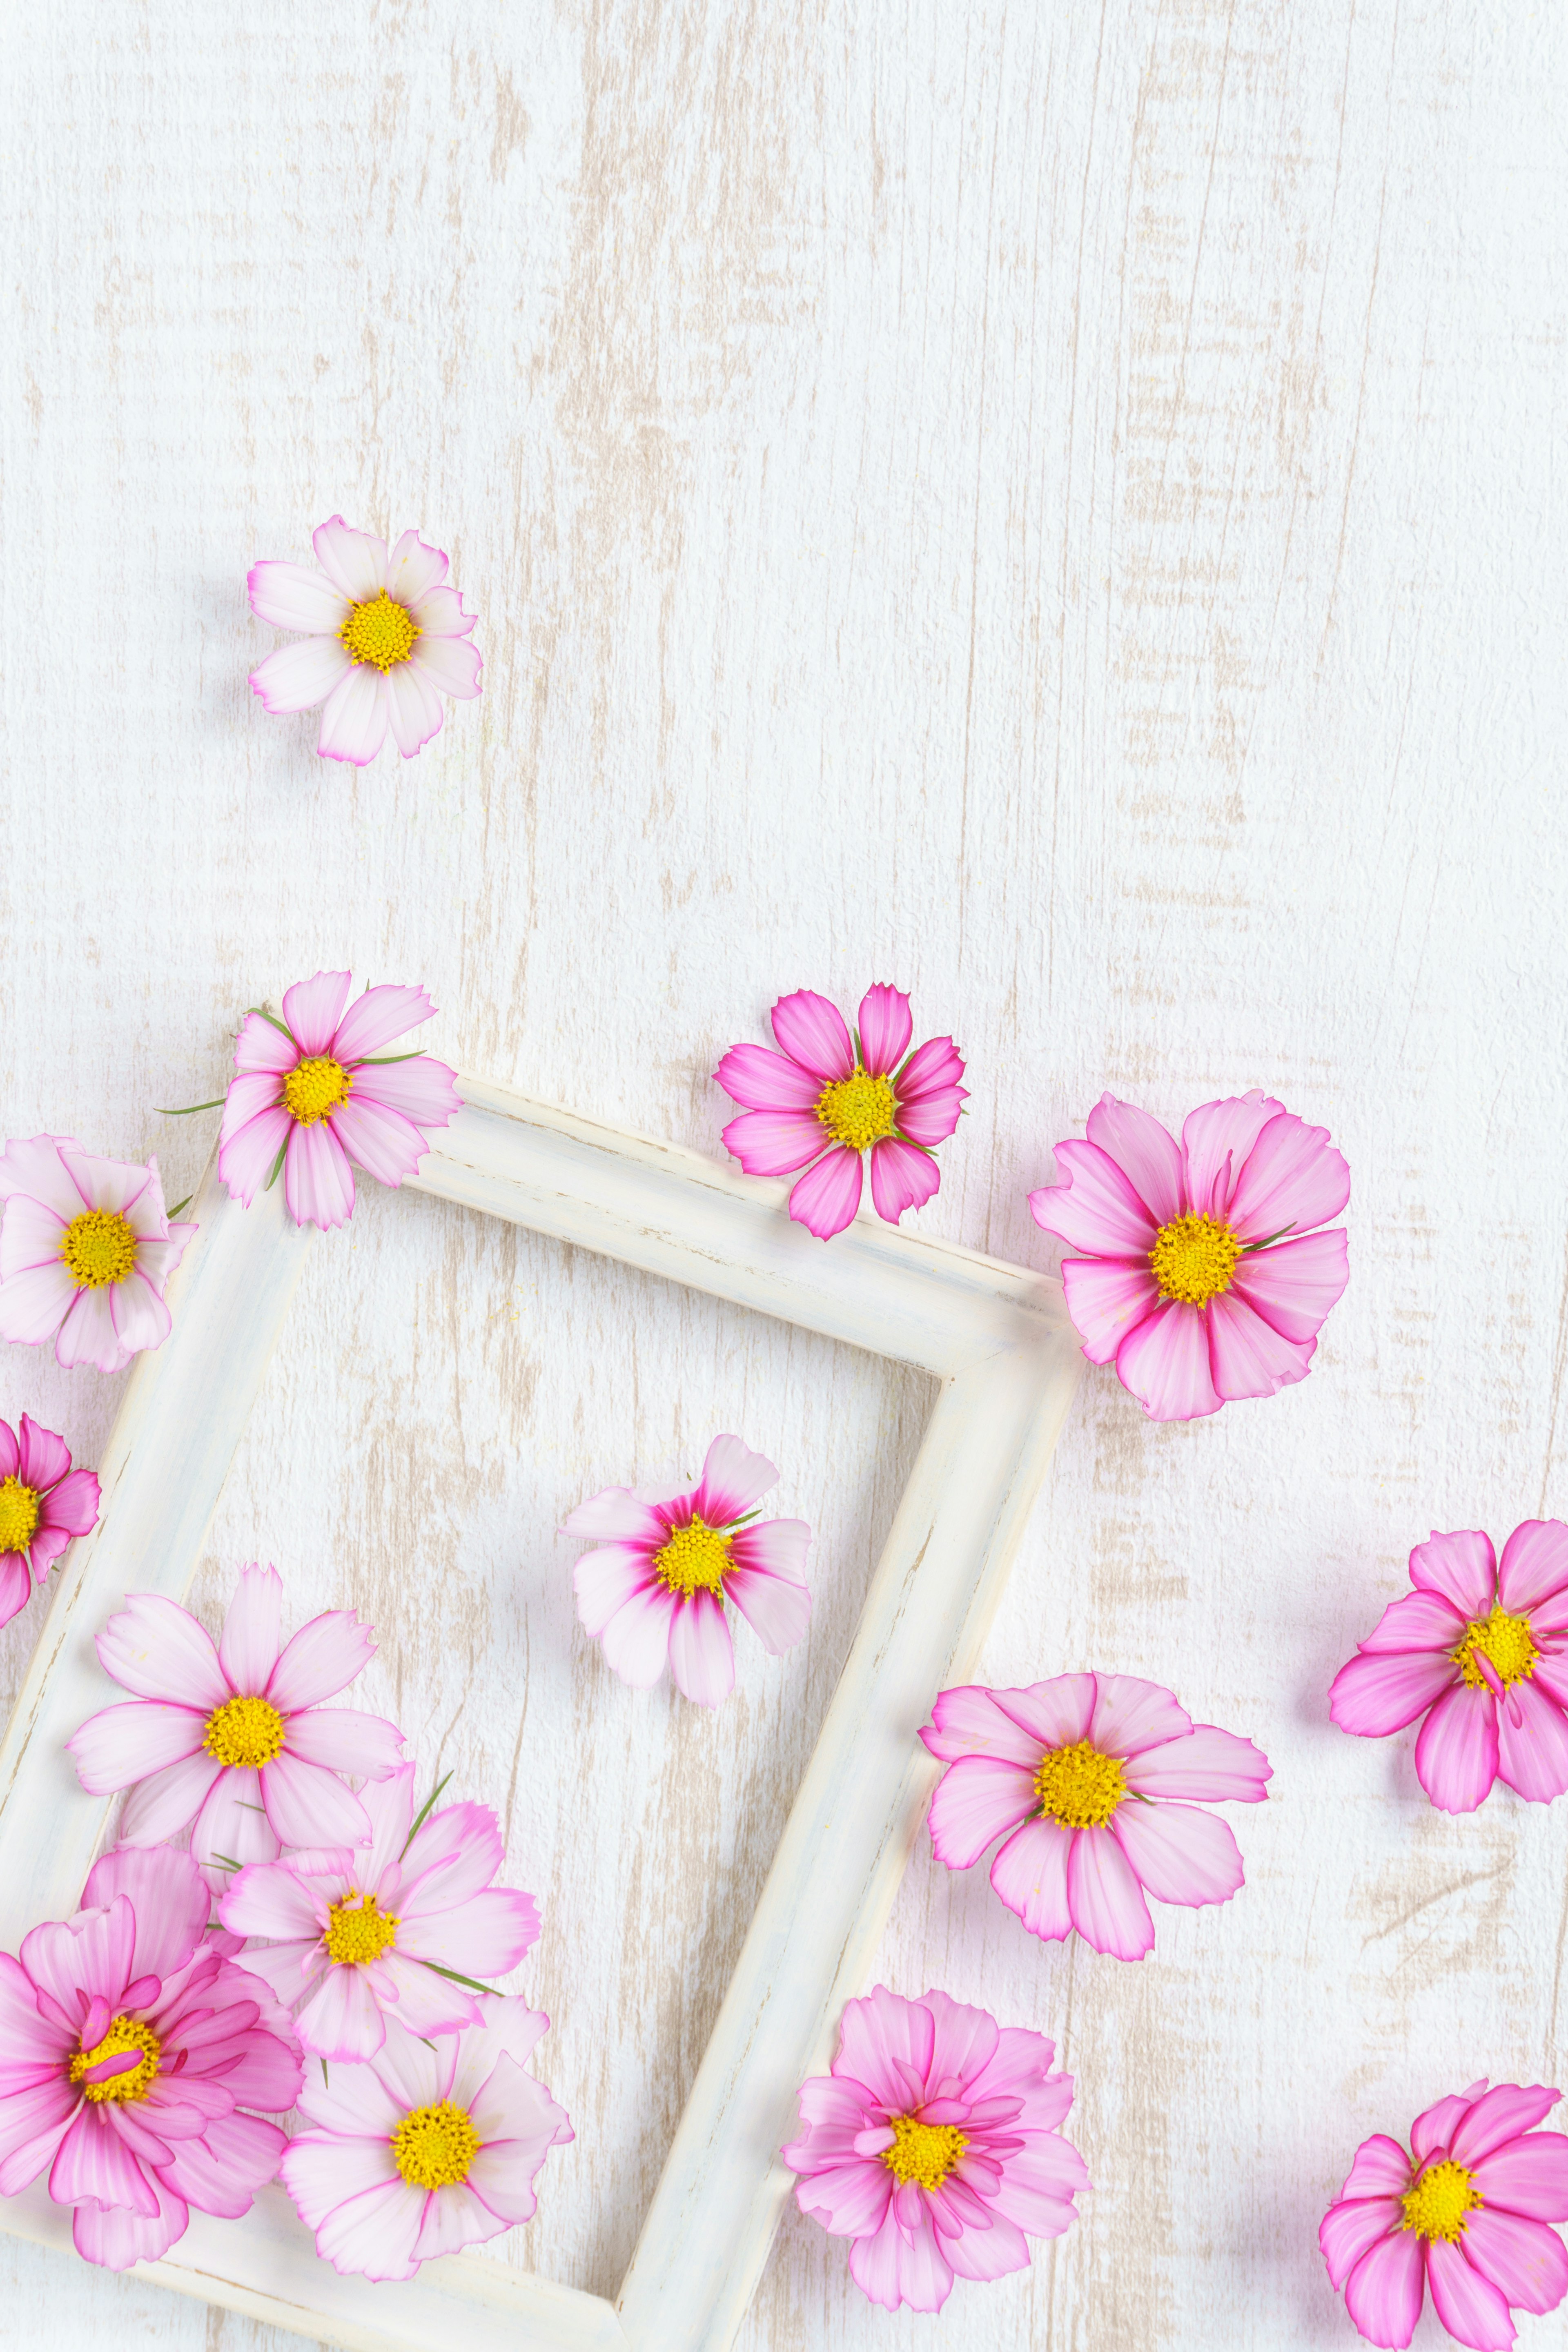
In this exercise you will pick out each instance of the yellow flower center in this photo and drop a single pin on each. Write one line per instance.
(1193, 1258)
(1506, 1644)
(314, 1087)
(694, 1555)
(99, 1246)
(18, 1514)
(1079, 1786)
(380, 632)
(925, 2153)
(858, 1110)
(1437, 2206)
(434, 2146)
(358, 1931)
(244, 1731)
(123, 2034)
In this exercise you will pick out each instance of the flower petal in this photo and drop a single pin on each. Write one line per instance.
(1247, 1358)
(883, 2040)
(901, 1178)
(354, 561)
(778, 1546)
(413, 705)
(1499, 2115)
(1381, 2169)
(484, 1936)
(733, 1479)
(1165, 1363)
(1293, 1284)
(452, 665)
(1534, 1564)
(317, 1181)
(1351, 2228)
(811, 1032)
(826, 1197)
(775, 1142)
(607, 1579)
(270, 1899)
(1181, 1854)
(1094, 1208)
(930, 1117)
(1217, 1140)
(1420, 1620)
(1468, 2305)
(123, 1744)
(72, 1506)
(1456, 1753)
(936, 1064)
(246, 1158)
(309, 1806)
(441, 612)
(87, 1335)
(377, 1018)
(36, 1170)
(155, 1649)
(759, 1079)
(1523, 2259)
(638, 1638)
(885, 1029)
(967, 1721)
(776, 1608)
(1107, 1298)
(1462, 1566)
(976, 1800)
(373, 2235)
(387, 1146)
(1532, 1754)
(889, 2268)
(339, 2018)
(34, 1303)
(1056, 1712)
(293, 596)
(1383, 2293)
(702, 1654)
(1377, 1694)
(1030, 1875)
(420, 1089)
(248, 1648)
(849, 2200)
(412, 569)
(231, 1823)
(1130, 1715)
(163, 1804)
(299, 677)
(1292, 1179)
(1529, 2174)
(355, 716)
(92, 2162)
(322, 1659)
(39, 1457)
(1147, 1153)
(1105, 1898)
(166, 1892)
(1208, 1763)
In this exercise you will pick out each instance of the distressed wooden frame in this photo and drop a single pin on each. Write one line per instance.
(997, 1337)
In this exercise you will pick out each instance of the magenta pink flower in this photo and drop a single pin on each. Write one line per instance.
(85, 1254)
(313, 1094)
(1201, 1275)
(933, 2145)
(828, 1098)
(397, 1928)
(1482, 1652)
(234, 1737)
(1084, 1772)
(385, 641)
(428, 2148)
(130, 2054)
(1465, 2213)
(656, 1589)
(42, 1503)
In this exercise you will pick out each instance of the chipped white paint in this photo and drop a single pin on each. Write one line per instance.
(1061, 508)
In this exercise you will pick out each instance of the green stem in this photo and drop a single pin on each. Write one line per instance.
(420, 1816)
(190, 1109)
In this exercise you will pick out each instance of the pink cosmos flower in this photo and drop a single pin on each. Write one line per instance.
(234, 1737)
(828, 1098)
(314, 1093)
(933, 2145)
(656, 1589)
(85, 1254)
(1201, 1275)
(428, 2148)
(399, 1927)
(1085, 1772)
(1482, 1652)
(385, 641)
(42, 1503)
(130, 2053)
(1463, 2213)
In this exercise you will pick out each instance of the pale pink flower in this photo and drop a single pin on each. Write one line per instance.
(130, 2054)
(85, 1254)
(1201, 1275)
(396, 1929)
(655, 1590)
(1482, 1652)
(235, 1739)
(829, 1096)
(1082, 1776)
(428, 2146)
(933, 2144)
(385, 641)
(42, 1503)
(314, 1093)
(1463, 2213)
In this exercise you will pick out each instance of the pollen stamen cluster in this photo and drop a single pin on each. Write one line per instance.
(124, 2034)
(358, 1931)
(1507, 1644)
(314, 1087)
(696, 1558)
(379, 633)
(1193, 1258)
(1440, 2201)
(923, 2153)
(434, 2146)
(858, 1110)
(245, 1732)
(19, 1508)
(98, 1247)
(1079, 1786)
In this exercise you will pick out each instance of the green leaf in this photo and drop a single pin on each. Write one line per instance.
(276, 1023)
(1247, 1247)
(472, 1982)
(190, 1109)
(276, 1166)
(251, 1809)
(325, 2076)
(424, 1810)
(227, 1861)
(186, 1204)
(381, 1061)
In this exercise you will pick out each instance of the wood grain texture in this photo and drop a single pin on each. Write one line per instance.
(1058, 509)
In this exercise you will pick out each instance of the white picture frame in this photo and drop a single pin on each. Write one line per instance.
(997, 1337)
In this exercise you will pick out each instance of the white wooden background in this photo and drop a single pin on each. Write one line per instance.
(1061, 508)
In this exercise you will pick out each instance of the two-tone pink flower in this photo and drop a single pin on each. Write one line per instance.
(86, 1252)
(387, 640)
(427, 2147)
(828, 1097)
(1197, 1268)
(1481, 1653)
(396, 1929)
(1465, 2212)
(1087, 1779)
(317, 1097)
(132, 2057)
(654, 1590)
(235, 1739)
(43, 1504)
(934, 2146)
